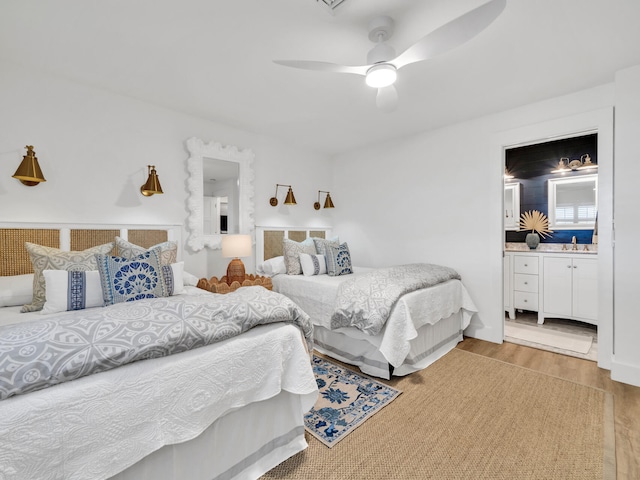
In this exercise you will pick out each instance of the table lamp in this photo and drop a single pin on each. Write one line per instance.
(235, 246)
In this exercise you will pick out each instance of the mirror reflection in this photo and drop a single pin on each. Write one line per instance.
(220, 197)
(573, 202)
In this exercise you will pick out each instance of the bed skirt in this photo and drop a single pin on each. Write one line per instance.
(243, 444)
(351, 346)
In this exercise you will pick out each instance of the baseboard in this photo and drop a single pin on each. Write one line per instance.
(625, 373)
(484, 332)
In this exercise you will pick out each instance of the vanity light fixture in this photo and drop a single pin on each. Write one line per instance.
(289, 199)
(327, 202)
(236, 246)
(152, 185)
(29, 172)
(507, 175)
(566, 165)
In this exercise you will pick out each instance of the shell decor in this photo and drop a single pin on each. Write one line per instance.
(535, 221)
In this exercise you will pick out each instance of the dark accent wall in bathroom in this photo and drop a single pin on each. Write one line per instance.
(532, 165)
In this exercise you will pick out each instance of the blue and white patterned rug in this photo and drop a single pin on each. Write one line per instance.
(346, 400)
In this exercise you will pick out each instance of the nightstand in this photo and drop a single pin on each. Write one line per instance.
(221, 286)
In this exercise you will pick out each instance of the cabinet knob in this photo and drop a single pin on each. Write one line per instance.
(526, 264)
(526, 283)
(525, 300)
(568, 266)
(575, 266)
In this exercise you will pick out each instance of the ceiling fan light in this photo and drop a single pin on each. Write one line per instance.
(381, 75)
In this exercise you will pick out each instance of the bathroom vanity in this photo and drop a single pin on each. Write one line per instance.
(551, 281)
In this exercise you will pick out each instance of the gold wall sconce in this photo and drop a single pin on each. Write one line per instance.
(328, 203)
(29, 172)
(566, 165)
(289, 199)
(152, 185)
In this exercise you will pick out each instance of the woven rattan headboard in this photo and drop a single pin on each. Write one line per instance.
(269, 239)
(15, 259)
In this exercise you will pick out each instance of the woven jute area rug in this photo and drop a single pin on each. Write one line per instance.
(472, 417)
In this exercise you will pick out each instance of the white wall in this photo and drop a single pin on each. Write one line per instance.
(94, 148)
(626, 365)
(437, 196)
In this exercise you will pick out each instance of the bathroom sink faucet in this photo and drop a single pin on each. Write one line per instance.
(575, 243)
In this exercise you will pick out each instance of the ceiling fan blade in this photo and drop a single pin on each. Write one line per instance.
(324, 66)
(387, 99)
(451, 34)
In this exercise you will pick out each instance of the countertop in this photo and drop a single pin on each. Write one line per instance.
(553, 248)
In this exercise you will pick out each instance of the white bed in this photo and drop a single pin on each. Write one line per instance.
(423, 325)
(230, 410)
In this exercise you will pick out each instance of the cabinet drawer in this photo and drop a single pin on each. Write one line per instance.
(523, 264)
(525, 300)
(525, 283)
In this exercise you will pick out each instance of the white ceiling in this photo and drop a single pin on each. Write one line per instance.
(213, 59)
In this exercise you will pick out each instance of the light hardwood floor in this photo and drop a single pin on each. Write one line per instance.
(626, 397)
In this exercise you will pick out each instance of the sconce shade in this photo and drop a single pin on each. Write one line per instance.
(29, 172)
(152, 185)
(328, 203)
(236, 246)
(289, 199)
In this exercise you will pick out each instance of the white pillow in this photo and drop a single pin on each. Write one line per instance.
(272, 267)
(174, 273)
(71, 290)
(189, 279)
(16, 290)
(313, 264)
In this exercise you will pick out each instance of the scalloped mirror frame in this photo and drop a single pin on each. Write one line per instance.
(198, 151)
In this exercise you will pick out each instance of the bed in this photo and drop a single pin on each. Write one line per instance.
(232, 409)
(422, 326)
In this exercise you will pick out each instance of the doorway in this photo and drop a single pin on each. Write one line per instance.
(551, 177)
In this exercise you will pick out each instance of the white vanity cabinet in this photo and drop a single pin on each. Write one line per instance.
(571, 288)
(555, 285)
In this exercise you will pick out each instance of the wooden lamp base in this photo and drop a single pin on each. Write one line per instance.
(235, 271)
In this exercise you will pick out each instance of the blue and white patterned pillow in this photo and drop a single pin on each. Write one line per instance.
(338, 260)
(74, 290)
(125, 280)
(313, 264)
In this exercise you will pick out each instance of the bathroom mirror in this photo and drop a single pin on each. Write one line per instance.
(573, 202)
(234, 196)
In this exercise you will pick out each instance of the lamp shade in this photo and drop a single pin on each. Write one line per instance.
(328, 203)
(235, 246)
(152, 185)
(290, 199)
(29, 172)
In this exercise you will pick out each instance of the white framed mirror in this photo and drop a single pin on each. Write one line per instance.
(230, 203)
(511, 206)
(573, 202)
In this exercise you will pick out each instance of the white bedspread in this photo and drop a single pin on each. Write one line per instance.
(316, 295)
(96, 426)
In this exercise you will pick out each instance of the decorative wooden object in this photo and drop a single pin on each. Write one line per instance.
(221, 286)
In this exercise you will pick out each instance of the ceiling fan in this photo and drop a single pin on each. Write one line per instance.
(382, 62)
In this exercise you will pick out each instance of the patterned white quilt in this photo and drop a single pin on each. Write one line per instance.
(366, 301)
(53, 350)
